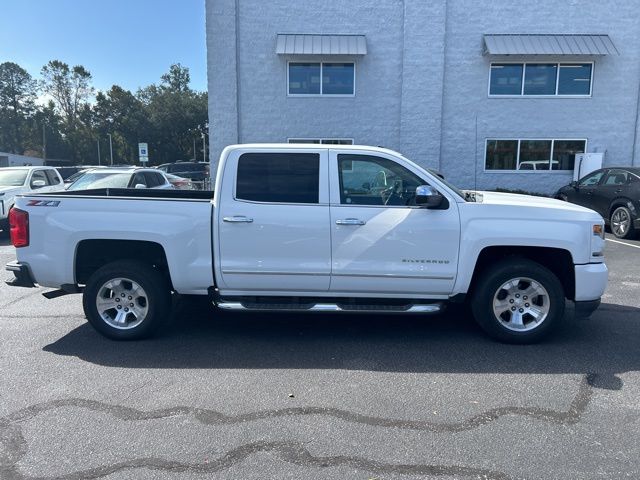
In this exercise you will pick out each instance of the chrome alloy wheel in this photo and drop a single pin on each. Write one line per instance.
(620, 222)
(122, 303)
(521, 304)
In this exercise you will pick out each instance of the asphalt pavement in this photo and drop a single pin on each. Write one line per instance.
(238, 396)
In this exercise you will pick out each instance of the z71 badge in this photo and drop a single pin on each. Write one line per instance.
(43, 203)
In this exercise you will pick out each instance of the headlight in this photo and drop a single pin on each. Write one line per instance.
(597, 240)
(598, 230)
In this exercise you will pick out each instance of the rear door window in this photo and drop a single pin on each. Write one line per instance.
(279, 177)
(53, 178)
(152, 179)
(138, 179)
(616, 178)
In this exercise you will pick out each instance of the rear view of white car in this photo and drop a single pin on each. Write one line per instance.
(20, 180)
(121, 178)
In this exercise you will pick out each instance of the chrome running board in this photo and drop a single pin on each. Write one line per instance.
(330, 307)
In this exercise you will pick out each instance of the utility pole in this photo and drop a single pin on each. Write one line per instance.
(98, 141)
(204, 148)
(195, 159)
(110, 149)
(44, 144)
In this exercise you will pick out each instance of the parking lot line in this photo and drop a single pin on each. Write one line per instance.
(623, 243)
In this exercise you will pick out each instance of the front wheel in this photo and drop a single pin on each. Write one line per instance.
(622, 223)
(127, 300)
(518, 301)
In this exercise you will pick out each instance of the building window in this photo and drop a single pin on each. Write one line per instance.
(532, 154)
(324, 141)
(540, 79)
(279, 177)
(334, 79)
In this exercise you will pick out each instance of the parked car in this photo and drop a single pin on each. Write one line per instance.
(66, 172)
(295, 229)
(195, 171)
(71, 179)
(179, 182)
(20, 180)
(613, 192)
(121, 178)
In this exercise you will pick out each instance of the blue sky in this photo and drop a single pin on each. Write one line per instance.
(125, 42)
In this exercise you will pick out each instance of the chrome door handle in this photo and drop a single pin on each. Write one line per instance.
(237, 219)
(350, 221)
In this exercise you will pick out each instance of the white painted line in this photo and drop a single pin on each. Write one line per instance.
(623, 243)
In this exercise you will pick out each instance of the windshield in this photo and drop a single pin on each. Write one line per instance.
(101, 180)
(13, 178)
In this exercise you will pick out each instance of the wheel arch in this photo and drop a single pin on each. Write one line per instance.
(90, 255)
(620, 202)
(557, 260)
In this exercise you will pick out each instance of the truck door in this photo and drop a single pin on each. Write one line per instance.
(381, 241)
(273, 222)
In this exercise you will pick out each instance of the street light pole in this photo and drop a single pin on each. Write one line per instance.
(110, 149)
(98, 141)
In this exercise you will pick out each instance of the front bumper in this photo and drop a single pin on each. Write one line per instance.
(22, 273)
(591, 281)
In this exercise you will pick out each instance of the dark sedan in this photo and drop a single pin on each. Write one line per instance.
(614, 193)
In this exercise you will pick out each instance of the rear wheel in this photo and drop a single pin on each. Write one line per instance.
(518, 301)
(622, 223)
(127, 300)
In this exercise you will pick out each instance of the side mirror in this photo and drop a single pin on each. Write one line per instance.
(428, 197)
(573, 184)
(140, 185)
(38, 184)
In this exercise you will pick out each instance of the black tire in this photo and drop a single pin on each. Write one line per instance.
(488, 288)
(622, 214)
(156, 301)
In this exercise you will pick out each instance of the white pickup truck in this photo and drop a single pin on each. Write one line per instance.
(19, 180)
(313, 228)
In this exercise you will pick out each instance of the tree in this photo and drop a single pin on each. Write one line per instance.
(70, 88)
(175, 111)
(17, 105)
(119, 113)
(177, 79)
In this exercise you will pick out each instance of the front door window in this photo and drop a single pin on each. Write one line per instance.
(371, 180)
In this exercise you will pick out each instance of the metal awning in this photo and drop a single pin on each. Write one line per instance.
(311, 44)
(547, 44)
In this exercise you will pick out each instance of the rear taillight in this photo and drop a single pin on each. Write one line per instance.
(19, 227)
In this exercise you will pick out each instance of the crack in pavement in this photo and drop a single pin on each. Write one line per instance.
(289, 452)
(14, 446)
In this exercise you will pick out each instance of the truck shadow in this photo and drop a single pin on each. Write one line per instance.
(607, 343)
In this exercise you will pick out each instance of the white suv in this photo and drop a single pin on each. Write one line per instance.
(18, 180)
